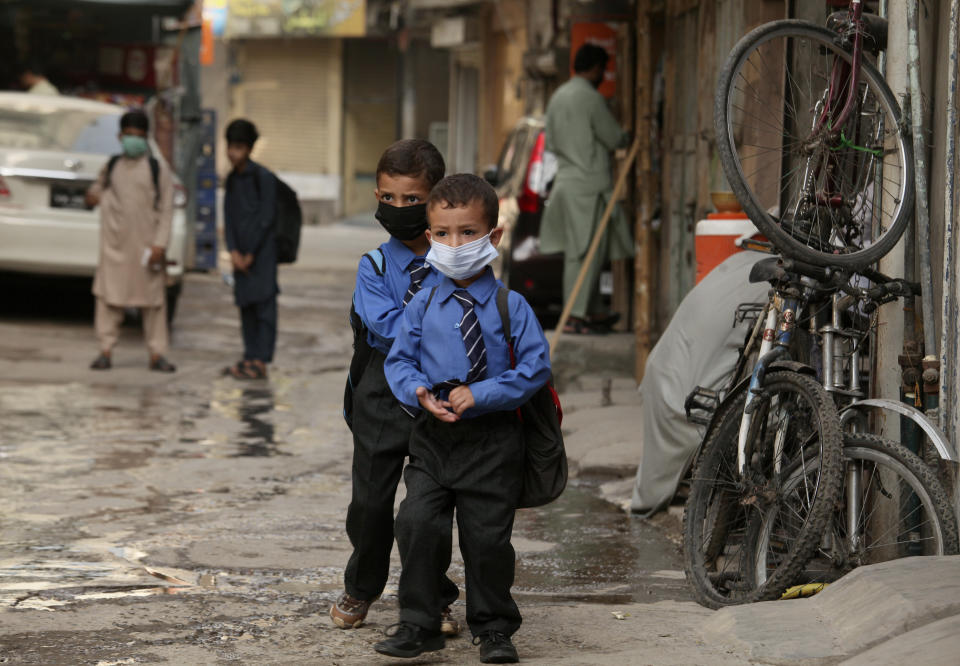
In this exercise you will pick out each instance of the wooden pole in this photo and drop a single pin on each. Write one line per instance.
(597, 237)
(646, 200)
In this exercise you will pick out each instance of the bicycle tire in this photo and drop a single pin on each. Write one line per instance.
(861, 446)
(720, 509)
(756, 206)
(932, 528)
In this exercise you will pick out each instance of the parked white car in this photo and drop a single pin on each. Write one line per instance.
(51, 149)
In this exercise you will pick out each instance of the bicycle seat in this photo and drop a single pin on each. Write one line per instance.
(874, 26)
(766, 270)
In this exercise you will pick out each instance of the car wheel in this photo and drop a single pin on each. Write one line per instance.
(173, 296)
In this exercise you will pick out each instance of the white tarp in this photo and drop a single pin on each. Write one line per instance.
(699, 348)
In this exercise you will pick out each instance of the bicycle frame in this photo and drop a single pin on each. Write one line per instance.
(775, 346)
(843, 72)
(839, 103)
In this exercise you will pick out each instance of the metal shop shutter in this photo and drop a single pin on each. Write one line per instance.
(292, 90)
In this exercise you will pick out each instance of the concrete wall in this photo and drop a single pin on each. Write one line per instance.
(370, 108)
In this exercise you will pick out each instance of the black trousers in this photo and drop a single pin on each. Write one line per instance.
(381, 437)
(258, 321)
(473, 466)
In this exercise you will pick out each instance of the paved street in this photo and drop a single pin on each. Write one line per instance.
(194, 519)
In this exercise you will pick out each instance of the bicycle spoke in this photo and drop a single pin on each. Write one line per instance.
(840, 191)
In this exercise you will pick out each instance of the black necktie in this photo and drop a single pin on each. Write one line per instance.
(472, 337)
(417, 274)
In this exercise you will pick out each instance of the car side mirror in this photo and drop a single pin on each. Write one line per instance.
(492, 175)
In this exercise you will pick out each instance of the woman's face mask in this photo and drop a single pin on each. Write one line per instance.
(403, 222)
(133, 146)
(460, 263)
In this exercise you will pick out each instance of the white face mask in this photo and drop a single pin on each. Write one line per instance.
(459, 263)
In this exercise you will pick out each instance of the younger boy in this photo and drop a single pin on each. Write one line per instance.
(406, 173)
(466, 452)
(249, 210)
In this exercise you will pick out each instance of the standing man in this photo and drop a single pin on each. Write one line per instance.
(135, 195)
(249, 208)
(34, 81)
(581, 132)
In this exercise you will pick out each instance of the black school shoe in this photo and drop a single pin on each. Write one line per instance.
(496, 648)
(409, 640)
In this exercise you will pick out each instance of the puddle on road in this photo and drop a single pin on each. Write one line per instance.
(258, 438)
(579, 548)
(600, 555)
(62, 428)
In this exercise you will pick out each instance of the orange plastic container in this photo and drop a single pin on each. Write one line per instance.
(717, 238)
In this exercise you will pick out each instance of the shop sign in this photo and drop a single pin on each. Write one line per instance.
(291, 18)
(215, 15)
(141, 66)
(452, 32)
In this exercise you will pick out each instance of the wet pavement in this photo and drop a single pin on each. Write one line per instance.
(192, 518)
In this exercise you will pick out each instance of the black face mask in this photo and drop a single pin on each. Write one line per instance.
(403, 223)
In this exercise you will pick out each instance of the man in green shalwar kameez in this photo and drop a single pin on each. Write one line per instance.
(581, 132)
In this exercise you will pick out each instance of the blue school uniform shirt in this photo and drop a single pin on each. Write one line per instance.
(429, 348)
(378, 299)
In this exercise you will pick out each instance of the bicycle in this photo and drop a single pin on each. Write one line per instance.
(733, 554)
(830, 179)
(779, 420)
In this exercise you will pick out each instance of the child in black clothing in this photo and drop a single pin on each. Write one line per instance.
(387, 279)
(249, 210)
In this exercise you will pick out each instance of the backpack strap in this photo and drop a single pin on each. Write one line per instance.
(112, 162)
(155, 175)
(503, 307)
(377, 260)
(430, 298)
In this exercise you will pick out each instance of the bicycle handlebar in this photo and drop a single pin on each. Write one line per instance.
(885, 289)
(807, 270)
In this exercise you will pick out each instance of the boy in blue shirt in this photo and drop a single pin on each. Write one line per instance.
(451, 360)
(386, 281)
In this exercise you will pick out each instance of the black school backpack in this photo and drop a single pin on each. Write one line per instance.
(288, 218)
(361, 348)
(545, 458)
(154, 175)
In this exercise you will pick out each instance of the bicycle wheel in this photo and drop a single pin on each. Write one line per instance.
(893, 506)
(796, 417)
(831, 196)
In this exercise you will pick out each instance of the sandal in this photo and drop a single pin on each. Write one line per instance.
(230, 369)
(606, 321)
(247, 370)
(102, 362)
(162, 365)
(578, 327)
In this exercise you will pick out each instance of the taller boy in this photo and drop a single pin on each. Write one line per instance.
(249, 209)
(452, 359)
(135, 195)
(406, 173)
